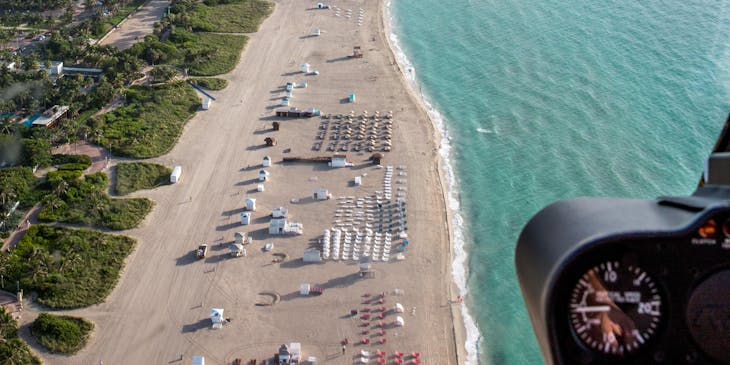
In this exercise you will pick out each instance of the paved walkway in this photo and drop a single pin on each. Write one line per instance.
(137, 25)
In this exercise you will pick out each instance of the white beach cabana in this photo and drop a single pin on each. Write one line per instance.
(306, 68)
(312, 256)
(398, 308)
(175, 175)
(260, 188)
(266, 162)
(321, 194)
(216, 317)
(263, 175)
(280, 212)
(399, 321)
(245, 218)
(250, 204)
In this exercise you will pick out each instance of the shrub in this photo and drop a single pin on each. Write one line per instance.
(210, 83)
(68, 159)
(12, 349)
(133, 176)
(64, 334)
(68, 268)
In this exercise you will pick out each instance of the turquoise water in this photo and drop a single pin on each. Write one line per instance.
(544, 100)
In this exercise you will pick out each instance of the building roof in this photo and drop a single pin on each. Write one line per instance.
(51, 115)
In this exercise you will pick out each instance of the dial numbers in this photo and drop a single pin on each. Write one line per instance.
(615, 309)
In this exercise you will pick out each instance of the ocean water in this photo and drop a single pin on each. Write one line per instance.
(545, 100)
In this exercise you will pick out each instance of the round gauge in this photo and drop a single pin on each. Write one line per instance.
(615, 309)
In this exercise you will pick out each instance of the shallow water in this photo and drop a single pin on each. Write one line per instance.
(554, 99)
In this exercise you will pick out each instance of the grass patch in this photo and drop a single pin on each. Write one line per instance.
(68, 268)
(85, 202)
(133, 176)
(64, 334)
(210, 83)
(12, 349)
(214, 54)
(243, 16)
(71, 159)
(123, 12)
(151, 121)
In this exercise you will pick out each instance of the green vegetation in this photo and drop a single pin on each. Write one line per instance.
(163, 73)
(12, 349)
(84, 202)
(68, 268)
(135, 176)
(150, 122)
(15, 182)
(214, 54)
(230, 16)
(210, 83)
(64, 334)
(61, 159)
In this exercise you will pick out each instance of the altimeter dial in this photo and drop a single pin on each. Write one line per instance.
(615, 309)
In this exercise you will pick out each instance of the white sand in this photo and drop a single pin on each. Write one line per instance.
(159, 310)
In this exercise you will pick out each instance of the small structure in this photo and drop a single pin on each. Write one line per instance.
(297, 113)
(398, 308)
(289, 355)
(351, 98)
(322, 6)
(245, 218)
(260, 188)
(377, 158)
(304, 289)
(399, 321)
(55, 68)
(237, 250)
(270, 142)
(356, 52)
(202, 251)
(275, 126)
(306, 68)
(50, 117)
(198, 360)
(263, 175)
(340, 161)
(322, 194)
(266, 162)
(250, 204)
(365, 269)
(280, 226)
(312, 256)
(216, 317)
(358, 180)
(280, 212)
(317, 32)
(175, 175)
(206, 103)
(289, 86)
(240, 237)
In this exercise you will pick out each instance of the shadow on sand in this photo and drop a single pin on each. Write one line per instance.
(194, 327)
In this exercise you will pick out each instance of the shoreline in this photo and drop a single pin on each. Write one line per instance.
(159, 310)
(459, 324)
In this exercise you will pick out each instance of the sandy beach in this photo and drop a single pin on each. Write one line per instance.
(159, 312)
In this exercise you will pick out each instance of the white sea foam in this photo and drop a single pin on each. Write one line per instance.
(459, 264)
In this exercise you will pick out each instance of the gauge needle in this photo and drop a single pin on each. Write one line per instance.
(593, 309)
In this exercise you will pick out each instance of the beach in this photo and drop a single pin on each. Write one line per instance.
(160, 310)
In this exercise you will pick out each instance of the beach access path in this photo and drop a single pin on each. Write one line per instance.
(159, 311)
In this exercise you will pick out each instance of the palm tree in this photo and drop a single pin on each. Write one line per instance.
(52, 201)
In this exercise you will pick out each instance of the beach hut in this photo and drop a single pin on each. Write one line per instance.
(250, 204)
(398, 308)
(358, 180)
(260, 188)
(266, 162)
(175, 175)
(322, 194)
(339, 161)
(317, 32)
(312, 256)
(280, 212)
(304, 288)
(274, 126)
(263, 175)
(237, 250)
(245, 218)
(306, 68)
(322, 6)
(206, 103)
(216, 317)
(351, 98)
(271, 141)
(399, 321)
(278, 226)
(198, 360)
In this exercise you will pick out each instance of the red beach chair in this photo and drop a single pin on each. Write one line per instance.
(381, 315)
(381, 332)
(382, 340)
(398, 360)
(365, 341)
(416, 355)
(365, 316)
(364, 332)
(380, 360)
(399, 354)
(416, 361)
(365, 310)
(381, 324)
(381, 353)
